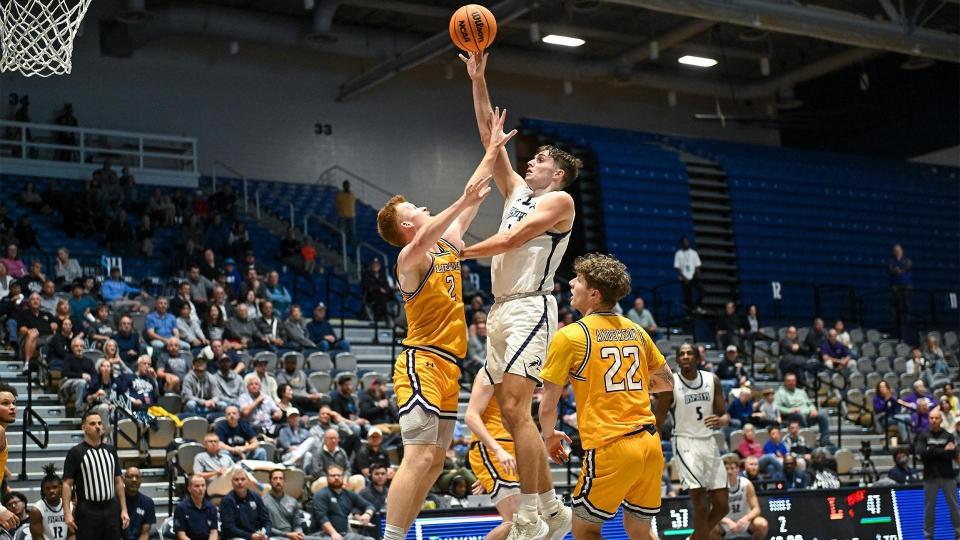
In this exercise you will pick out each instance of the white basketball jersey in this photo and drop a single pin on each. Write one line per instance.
(54, 525)
(692, 402)
(531, 266)
(737, 498)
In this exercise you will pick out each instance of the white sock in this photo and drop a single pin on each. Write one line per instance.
(392, 532)
(549, 505)
(528, 507)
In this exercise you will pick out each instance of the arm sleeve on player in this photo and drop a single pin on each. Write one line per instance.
(563, 355)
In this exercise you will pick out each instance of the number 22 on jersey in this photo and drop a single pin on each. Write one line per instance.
(629, 357)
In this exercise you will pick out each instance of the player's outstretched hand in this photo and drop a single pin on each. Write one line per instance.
(554, 444)
(497, 137)
(476, 64)
(477, 189)
(508, 461)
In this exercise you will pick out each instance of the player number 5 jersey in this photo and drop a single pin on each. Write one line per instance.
(608, 360)
(692, 402)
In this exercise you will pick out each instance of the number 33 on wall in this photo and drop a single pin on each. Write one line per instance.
(322, 129)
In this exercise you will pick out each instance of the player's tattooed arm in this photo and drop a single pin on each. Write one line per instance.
(661, 380)
(664, 401)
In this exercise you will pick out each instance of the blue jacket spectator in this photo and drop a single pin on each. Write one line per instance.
(741, 409)
(902, 472)
(278, 294)
(161, 325)
(321, 332)
(115, 291)
(333, 505)
(236, 435)
(195, 516)
(242, 512)
(790, 477)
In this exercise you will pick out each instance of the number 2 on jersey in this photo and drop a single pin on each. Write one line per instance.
(617, 355)
(453, 288)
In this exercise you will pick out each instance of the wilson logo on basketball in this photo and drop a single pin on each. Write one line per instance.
(478, 24)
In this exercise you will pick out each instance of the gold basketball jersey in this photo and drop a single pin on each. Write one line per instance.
(435, 316)
(607, 359)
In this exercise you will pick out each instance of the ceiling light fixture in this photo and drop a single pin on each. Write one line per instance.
(698, 61)
(566, 41)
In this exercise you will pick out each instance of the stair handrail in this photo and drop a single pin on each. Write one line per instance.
(343, 294)
(213, 176)
(383, 258)
(343, 239)
(29, 416)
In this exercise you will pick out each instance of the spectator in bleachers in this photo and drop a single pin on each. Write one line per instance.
(33, 281)
(902, 472)
(208, 267)
(36, 327)
(476, 347)
(916, 363)
(81, 304)
(730, 327)
(948, 393)
(67, 270)
(267, 381)
(271, 327)
(347, 213)
(751, 471)
(200, 392)
(192, 230)
(749, 446)
(5, 280)
(184, 297)
(475, 305)
(791, 477)
(321, 332)
(111, 355)
(937, 449)
(290, 251)
(775, 446)
(769, 412)
(304, 395)
(195, 517)
(370, 453)
(214, 462)
(103, 392)
(843, 336)
(794, 404)
(295, 328)
(686, 262)
(887, 412)
(233, 277)
(216, 235)
(221, 299)
(59, 345)
(49, 298)
(376, 491)
(201, 288)
(229, 384)
(309, 253)
(815, 336)
(239, 240)
(345, 402)
(642, 317)
(251, 282)
(328, 419)
(224, 201)
(238, 437)
(115, 293)
(143, 388)
(144, 236)
(835, 355)
(77, 373)
(797, 445)
(250, 261)
(935, 356)
(329, 452)
(128, 341)
(285, 511)
(295, 443)
(186, 254)
(923, 366)
(13, 263)
(172, 366)
(243, 513)
(899, 269)
(376, 290)
(259, 409)
(25, 233)
(277, 293)
(919, 392)
(378, 409)
(217, 351)
(242, 332)
(334, 507)
(253, 305)
(920, 418)
(10, 306)
(6, 228)
(62, 311)
(823, 469)
(100, 328)
(285, 399)
(189, 329)
(742, 410)
(730, 371)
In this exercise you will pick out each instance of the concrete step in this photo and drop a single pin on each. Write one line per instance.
(54, 449)
(708, 196)
(72, 436)
(55, 422)
(705, 170)
(707, 183)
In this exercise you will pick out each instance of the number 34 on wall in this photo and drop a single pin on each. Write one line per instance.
(322, 129)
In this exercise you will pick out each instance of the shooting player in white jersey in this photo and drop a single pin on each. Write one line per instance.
(698, 410)
(534, 231)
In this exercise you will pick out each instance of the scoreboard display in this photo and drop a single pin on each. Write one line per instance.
(880, 513)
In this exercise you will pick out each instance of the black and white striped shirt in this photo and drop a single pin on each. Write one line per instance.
(93, 471)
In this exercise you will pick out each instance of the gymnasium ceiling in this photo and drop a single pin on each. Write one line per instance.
(763, 47)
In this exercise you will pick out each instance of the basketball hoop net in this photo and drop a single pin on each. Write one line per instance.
(37, 35)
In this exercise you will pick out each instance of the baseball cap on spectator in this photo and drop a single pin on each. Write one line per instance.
(373, 431)
(293, 411)
(732, 348)
(345, 376)
(320, 305)
(261, 360)
(230, 261)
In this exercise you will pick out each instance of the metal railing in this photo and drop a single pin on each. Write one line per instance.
(56, 143)
(369, 247)
(216, 166)
(29, 417)
(343, 240)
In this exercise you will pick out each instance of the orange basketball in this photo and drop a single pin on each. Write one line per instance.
(473, 28)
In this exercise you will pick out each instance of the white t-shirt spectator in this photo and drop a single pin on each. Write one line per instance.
(687, 262)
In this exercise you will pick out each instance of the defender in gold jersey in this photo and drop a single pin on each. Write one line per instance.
(613, 366)
(8, 415)
(426, 375)
(492, 455)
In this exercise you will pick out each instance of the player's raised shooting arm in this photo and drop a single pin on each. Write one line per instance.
(480, 396)
(494, 143)
(555, 208)
(504, 175)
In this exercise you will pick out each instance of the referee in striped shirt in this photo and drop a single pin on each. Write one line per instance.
(93, 470)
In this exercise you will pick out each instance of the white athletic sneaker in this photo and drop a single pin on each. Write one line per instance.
(560, 523)
(527, 530)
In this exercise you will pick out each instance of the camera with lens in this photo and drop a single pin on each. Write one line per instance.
(865, 449)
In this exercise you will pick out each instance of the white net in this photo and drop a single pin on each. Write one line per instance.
(37, 35)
